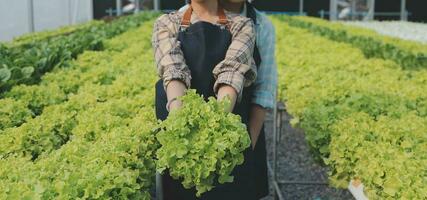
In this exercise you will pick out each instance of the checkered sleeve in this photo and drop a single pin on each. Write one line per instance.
(238, 69)
(169, 57)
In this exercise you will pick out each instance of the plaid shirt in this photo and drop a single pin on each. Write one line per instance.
(238, 69)
(266, 81)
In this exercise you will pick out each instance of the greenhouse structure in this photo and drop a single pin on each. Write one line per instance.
(213, 99)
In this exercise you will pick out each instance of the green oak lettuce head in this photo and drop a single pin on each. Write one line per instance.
(201, 143)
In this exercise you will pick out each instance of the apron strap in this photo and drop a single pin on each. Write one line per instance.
(186, 19)
(222, 18)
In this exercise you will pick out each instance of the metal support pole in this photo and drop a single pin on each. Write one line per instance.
(403, 14)
(91, 11)
(76, 11)
(156, 5)
(31, 27)
(333, 10)
(353, 10)
(137, 6)
(303, 182)
(371, 12)
(118, 7)
(110, 12)
(276, 142)
(159, 187)
(301, 7)
(70, 12)
(275, 120)
(278, 114)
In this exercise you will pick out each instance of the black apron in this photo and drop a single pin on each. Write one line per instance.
(204, 46)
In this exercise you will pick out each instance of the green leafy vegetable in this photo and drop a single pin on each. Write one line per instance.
(98, 142)
(27, 61)
(408, 54)
(4, 74)
(201, 143)
(362, 116)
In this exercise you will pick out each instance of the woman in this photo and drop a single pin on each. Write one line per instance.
(204, 49)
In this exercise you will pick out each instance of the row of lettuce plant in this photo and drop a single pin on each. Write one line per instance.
(365, 118)
(54, 126)
(44, 35)
(27, 63)
(408, 54)
(24, 102)
(99, 144)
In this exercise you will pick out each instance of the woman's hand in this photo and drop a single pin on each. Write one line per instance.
(175, 89)
(227, 91)
(175, 105)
